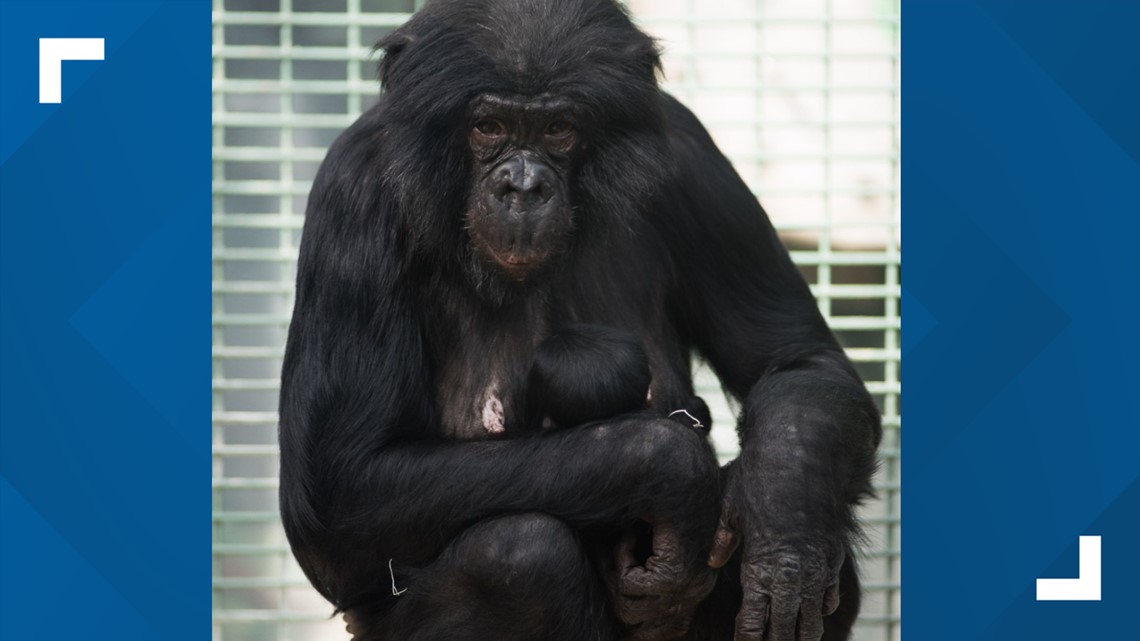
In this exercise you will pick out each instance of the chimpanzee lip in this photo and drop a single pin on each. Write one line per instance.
(517, 260)
(516, 266)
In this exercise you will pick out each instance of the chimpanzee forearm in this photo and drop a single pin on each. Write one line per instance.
(411, 498)
(810, 431)
(808, 438)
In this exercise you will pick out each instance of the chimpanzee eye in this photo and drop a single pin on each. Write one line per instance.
(489, 127)
(559, 129)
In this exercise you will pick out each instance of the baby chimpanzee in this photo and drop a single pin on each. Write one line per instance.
(586, 373)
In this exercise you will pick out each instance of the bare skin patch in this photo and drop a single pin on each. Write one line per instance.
(493, 420)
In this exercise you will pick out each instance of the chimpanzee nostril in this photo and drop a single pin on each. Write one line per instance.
(540, 181)
(545, 190)
(501, 189)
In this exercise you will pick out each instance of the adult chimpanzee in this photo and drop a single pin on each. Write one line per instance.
(522, 171)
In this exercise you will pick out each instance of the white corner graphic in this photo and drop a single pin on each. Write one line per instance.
(53, 51)
(1086, 587)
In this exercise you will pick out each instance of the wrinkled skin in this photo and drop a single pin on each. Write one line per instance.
(656, 601)
(788, 590)
(788, 587)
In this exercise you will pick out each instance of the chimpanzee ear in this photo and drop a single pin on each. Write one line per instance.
(391, 45)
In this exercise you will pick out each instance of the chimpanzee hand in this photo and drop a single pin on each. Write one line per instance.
(789, 570)
(656, 601)
(656, 583)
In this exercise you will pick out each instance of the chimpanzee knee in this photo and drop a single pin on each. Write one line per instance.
(509, 578)
(521, 557)
(531, 570)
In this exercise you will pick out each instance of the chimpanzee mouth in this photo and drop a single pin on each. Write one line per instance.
(518, 261)
(512, 264)
(518, 266)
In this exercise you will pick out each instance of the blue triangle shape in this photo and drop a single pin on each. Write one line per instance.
(917, 322)
(48, 591)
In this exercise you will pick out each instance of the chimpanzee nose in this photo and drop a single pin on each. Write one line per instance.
(526, 181)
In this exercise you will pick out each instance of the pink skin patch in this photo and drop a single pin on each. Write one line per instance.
(493, 415)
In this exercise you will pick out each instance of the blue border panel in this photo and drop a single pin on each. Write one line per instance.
(105, 325)
(1021, 311)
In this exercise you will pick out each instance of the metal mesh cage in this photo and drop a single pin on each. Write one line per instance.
(802, 95)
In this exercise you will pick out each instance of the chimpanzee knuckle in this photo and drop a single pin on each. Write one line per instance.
(789, 574)
(639, 582)
(751, 623)
(663, 579)
(787, 570)
(666, 552)
(751, 571)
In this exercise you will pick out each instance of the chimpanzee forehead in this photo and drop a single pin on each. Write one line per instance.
(542, 104)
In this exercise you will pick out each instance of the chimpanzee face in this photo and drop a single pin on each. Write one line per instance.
(519, 214)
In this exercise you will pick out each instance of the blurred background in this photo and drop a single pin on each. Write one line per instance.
(802, 95)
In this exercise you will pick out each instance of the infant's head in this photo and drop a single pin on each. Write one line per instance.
(586, 373)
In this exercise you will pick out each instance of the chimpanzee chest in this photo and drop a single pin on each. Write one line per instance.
(481, 387)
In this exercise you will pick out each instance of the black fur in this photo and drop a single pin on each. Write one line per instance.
(586, 373)
(401, 327)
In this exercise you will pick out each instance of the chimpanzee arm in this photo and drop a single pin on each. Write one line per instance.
(362, 478)
(809, 429)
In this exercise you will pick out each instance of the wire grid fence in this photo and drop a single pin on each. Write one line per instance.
(802, 95)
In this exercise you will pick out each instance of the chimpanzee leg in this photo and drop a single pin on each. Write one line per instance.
(715, 619)
(508, 578)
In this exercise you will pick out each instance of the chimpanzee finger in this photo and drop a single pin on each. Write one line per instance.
(350, 624)
(831, 600)
(662, 573)
(811, 620)
(724, 544)
(752, 620)
(784, 613)
(642, 582)
(667, 582)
